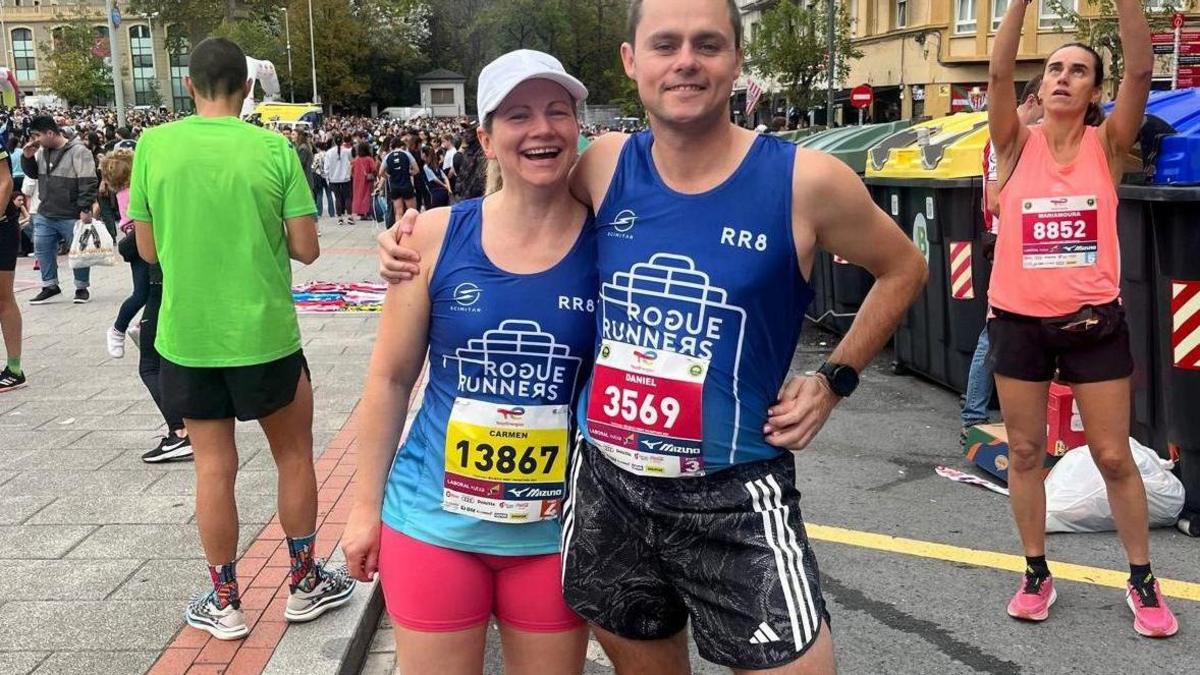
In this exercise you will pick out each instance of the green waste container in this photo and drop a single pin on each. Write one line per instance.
(929, 179)
(797, 134)
(839, 287)
(1160, 287)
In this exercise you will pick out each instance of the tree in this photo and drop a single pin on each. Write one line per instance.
(76, 70)
(793, 50)
(1101, 32)
(198, 17)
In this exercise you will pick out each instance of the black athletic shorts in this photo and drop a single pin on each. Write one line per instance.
(245, 392)
(1091, 345)
(10, 243)
(642, 555)
(402, 192)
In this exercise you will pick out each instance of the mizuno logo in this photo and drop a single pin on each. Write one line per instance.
(764, 635)
(624, 221)
(534, 493)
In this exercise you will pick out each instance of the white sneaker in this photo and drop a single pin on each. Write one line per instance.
(223, 624)
(334, 591)
(135, 335)
(116, 343)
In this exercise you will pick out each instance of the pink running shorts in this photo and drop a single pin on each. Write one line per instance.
(434, 589)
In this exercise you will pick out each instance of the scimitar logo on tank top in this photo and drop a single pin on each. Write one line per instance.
(466, 295)
(516, 360)
(622, 224)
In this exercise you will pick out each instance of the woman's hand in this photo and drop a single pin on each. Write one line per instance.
(360, 543)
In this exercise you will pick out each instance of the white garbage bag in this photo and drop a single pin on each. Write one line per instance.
(1076, 500)
(91, 245)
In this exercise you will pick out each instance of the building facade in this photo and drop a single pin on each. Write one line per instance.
(151, 74)
(443, 93)
(928, 58)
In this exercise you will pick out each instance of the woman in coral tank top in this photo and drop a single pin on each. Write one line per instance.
(1055, 292)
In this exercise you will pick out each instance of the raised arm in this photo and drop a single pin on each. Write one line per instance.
(1119, 132)
(1005, 127)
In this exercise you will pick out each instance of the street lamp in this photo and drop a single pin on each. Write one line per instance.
(287, 30)
(312, 51)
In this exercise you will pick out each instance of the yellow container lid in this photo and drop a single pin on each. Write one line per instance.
(947, 147)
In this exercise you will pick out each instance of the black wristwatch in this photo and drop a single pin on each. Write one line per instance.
(843, 379)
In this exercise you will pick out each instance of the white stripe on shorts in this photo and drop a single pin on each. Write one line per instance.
(759, 495)
(793, 542)
(568, 524)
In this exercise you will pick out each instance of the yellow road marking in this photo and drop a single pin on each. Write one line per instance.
(1001, 561)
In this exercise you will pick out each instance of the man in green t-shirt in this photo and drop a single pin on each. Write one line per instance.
(223, 206)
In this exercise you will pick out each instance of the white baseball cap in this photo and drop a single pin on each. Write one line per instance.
(500, 77)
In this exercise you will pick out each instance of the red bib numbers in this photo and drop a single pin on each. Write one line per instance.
(1059, 232)
(645, 409)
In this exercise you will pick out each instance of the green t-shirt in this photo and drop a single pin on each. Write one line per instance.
(217, 191)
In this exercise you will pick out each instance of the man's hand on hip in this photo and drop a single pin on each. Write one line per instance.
(804, 405)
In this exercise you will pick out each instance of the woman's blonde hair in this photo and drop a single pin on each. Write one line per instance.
(116, 169)
(495, 180)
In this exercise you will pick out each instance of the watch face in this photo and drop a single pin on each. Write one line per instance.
(844, 380)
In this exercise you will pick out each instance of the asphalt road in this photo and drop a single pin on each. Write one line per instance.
(872, 470)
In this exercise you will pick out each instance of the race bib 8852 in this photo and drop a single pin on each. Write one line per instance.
(1059, 232)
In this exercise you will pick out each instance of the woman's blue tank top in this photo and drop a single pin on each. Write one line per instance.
(482, 469)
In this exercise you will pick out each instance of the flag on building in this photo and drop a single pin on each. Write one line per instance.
(753, 94)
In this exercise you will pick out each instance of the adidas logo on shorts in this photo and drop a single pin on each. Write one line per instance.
(764, 635)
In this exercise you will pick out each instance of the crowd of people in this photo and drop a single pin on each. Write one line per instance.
(663, 281)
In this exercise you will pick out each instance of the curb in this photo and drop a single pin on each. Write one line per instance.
(336, 644)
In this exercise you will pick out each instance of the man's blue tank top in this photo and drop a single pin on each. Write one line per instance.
(707, 284)
(505, 351)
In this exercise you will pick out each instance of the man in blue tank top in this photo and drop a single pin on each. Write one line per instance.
(682, 502)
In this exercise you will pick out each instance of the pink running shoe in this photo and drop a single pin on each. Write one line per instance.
(1151, 616)
(1032, 601)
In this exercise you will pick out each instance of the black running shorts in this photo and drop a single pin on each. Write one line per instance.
(1091, 347)
(10, 243)
(404, 192)
(245, 392)
(642, 555)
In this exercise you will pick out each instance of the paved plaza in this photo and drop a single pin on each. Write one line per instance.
(99, 551)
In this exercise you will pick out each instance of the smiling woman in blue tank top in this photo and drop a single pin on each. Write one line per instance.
(462, 521)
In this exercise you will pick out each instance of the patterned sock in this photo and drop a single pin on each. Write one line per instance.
(224, 578)
(14, 364)
(305, 574)
(1140, 574)
(1035, 566)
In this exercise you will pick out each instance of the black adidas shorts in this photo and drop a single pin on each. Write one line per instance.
(642, 555)
(245, 392)
(10, 242)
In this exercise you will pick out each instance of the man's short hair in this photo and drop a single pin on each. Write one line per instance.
(43, 123)
(217, 68)
(1031, 88)
(635, 18)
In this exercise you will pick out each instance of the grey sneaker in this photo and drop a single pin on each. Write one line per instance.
(332, 592)
(223, 624)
